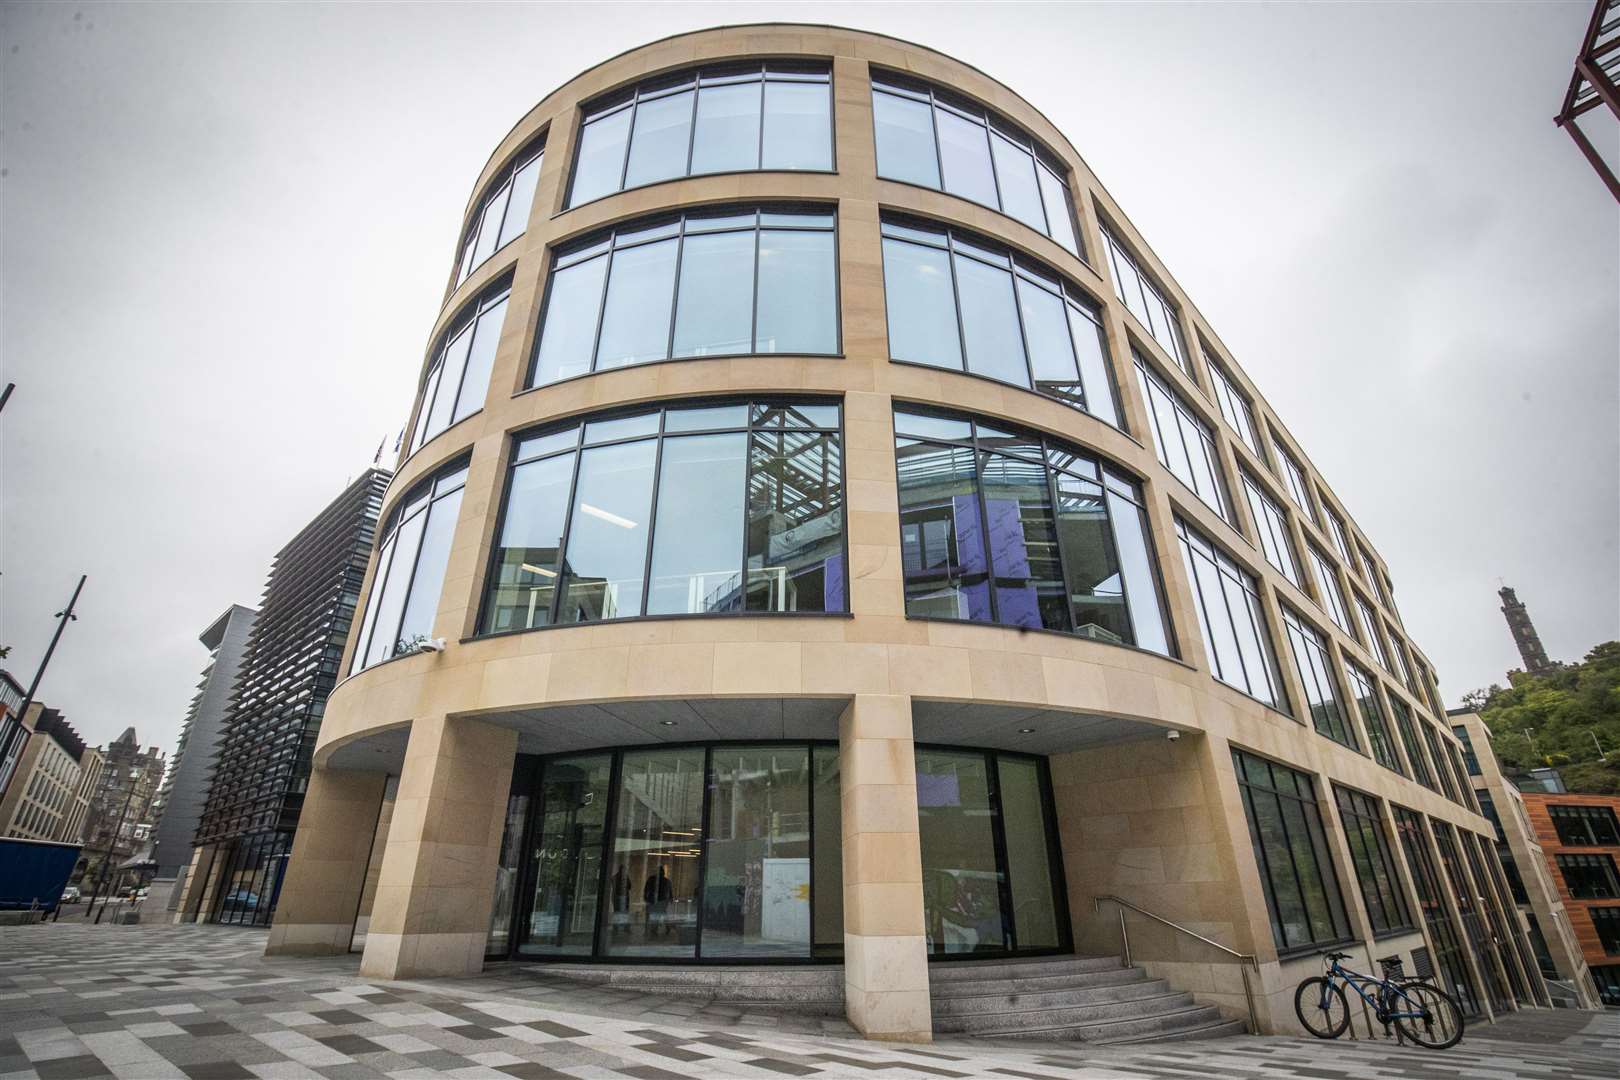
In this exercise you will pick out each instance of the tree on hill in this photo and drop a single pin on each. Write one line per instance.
(1569, 713)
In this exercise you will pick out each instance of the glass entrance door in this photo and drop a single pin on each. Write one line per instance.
(565, 858)
(988, 854)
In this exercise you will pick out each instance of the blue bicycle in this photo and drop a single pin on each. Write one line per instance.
(1421, 1012)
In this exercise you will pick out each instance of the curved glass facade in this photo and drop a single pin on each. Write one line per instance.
(715, 283)
(701, 509)
(504, 214)
(958, 302)
(413, 550)
(458, 379)
(735, 118)
(1014, 528)
(939, 140)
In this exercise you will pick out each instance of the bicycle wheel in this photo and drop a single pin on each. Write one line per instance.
(1438, 1023)
(1321, 1007)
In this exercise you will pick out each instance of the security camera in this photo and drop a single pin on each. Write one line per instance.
(1173, 735)
(430, 645)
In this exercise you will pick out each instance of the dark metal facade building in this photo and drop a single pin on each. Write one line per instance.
(262, 759)
(1597, 67)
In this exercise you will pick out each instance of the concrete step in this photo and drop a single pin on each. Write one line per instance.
(1220, 1029)
(812, 989)
(1008, 1000)
(1190, 1021)
(965, 970)
(1037, 983)
(1000, 1022)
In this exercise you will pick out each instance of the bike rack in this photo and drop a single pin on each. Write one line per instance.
(1245, 960)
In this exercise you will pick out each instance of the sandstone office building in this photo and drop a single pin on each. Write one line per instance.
(827, 539)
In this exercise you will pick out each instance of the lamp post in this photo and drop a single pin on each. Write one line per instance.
(63, 617)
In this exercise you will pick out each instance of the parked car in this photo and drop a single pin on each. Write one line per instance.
(240, 900)
(70, 895)
(140, 894)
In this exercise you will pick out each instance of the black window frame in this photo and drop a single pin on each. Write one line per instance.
(1596, 877)
(1580, 825)
(1254, 794)
(1388, 910)
(532, 151)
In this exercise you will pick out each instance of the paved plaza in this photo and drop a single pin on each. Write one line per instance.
(159, 1002)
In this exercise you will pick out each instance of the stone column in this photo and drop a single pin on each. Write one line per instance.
(885, 955)
(321, 892)
(437, 885)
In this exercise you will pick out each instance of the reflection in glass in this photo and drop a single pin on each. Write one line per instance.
(756, 888)
(635, 321)
(431, 561)
(507, 868)
(654, 864)
(905, 140)
(827, 858)
(727, 137)
(716, 312)
(962, 881)
(480, 358)
(659, 140)
(600, 165)
(990, 322)
(572, 309)
(1015, 177)
(798, 127)
(1237, 641)
(1088, 552)
(795, 523)
(567, 856)
(1029, 854)
(1023, 543)
(797, 293)
(921, 305)
(525, 575)
(699, 526)
(942, 534)
(607, 533)
(964, 151)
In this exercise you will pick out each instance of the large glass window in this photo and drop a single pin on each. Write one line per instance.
(1185, 443)
(1370, 632)
(1409, 739)
(742, 502)
(1397, 653)
(924, 136)
(503, 216)
(1145, 300)
(1271, 525)
(1365, 690)
(1374, 858)
(1436, 916)
(1008, 527)
(412, 553)
(1341, 539)
(1293, 475)
(1237, 640)
(1589, 877)
(726, 852)
(1291, 851)
(1234, 405)
(458, 378)
(1315, 668)
(1447, 783)
(989, 884)
(712, 284)
(738, 118)
(1606, 921)
(1584, 826)
(959, 303)
(1327, 588)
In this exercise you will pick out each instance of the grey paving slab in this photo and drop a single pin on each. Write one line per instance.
(203, 1003)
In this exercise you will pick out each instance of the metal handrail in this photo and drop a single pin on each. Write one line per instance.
(1245, 960)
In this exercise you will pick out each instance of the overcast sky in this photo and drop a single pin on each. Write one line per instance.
(226, 230)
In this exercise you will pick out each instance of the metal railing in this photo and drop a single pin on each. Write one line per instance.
(1245, 960)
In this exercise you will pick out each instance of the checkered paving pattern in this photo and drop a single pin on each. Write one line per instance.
(201, 1002)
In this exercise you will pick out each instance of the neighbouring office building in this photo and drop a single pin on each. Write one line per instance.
(827, 535)
(54, 776)
(1555, 942)
(186, 786)
(1580, 839)
(260, 760)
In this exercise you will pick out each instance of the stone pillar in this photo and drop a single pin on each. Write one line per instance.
(437, 885)
(327, 869)
(885, 954)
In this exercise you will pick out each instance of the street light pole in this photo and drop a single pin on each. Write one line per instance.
(63, 617)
